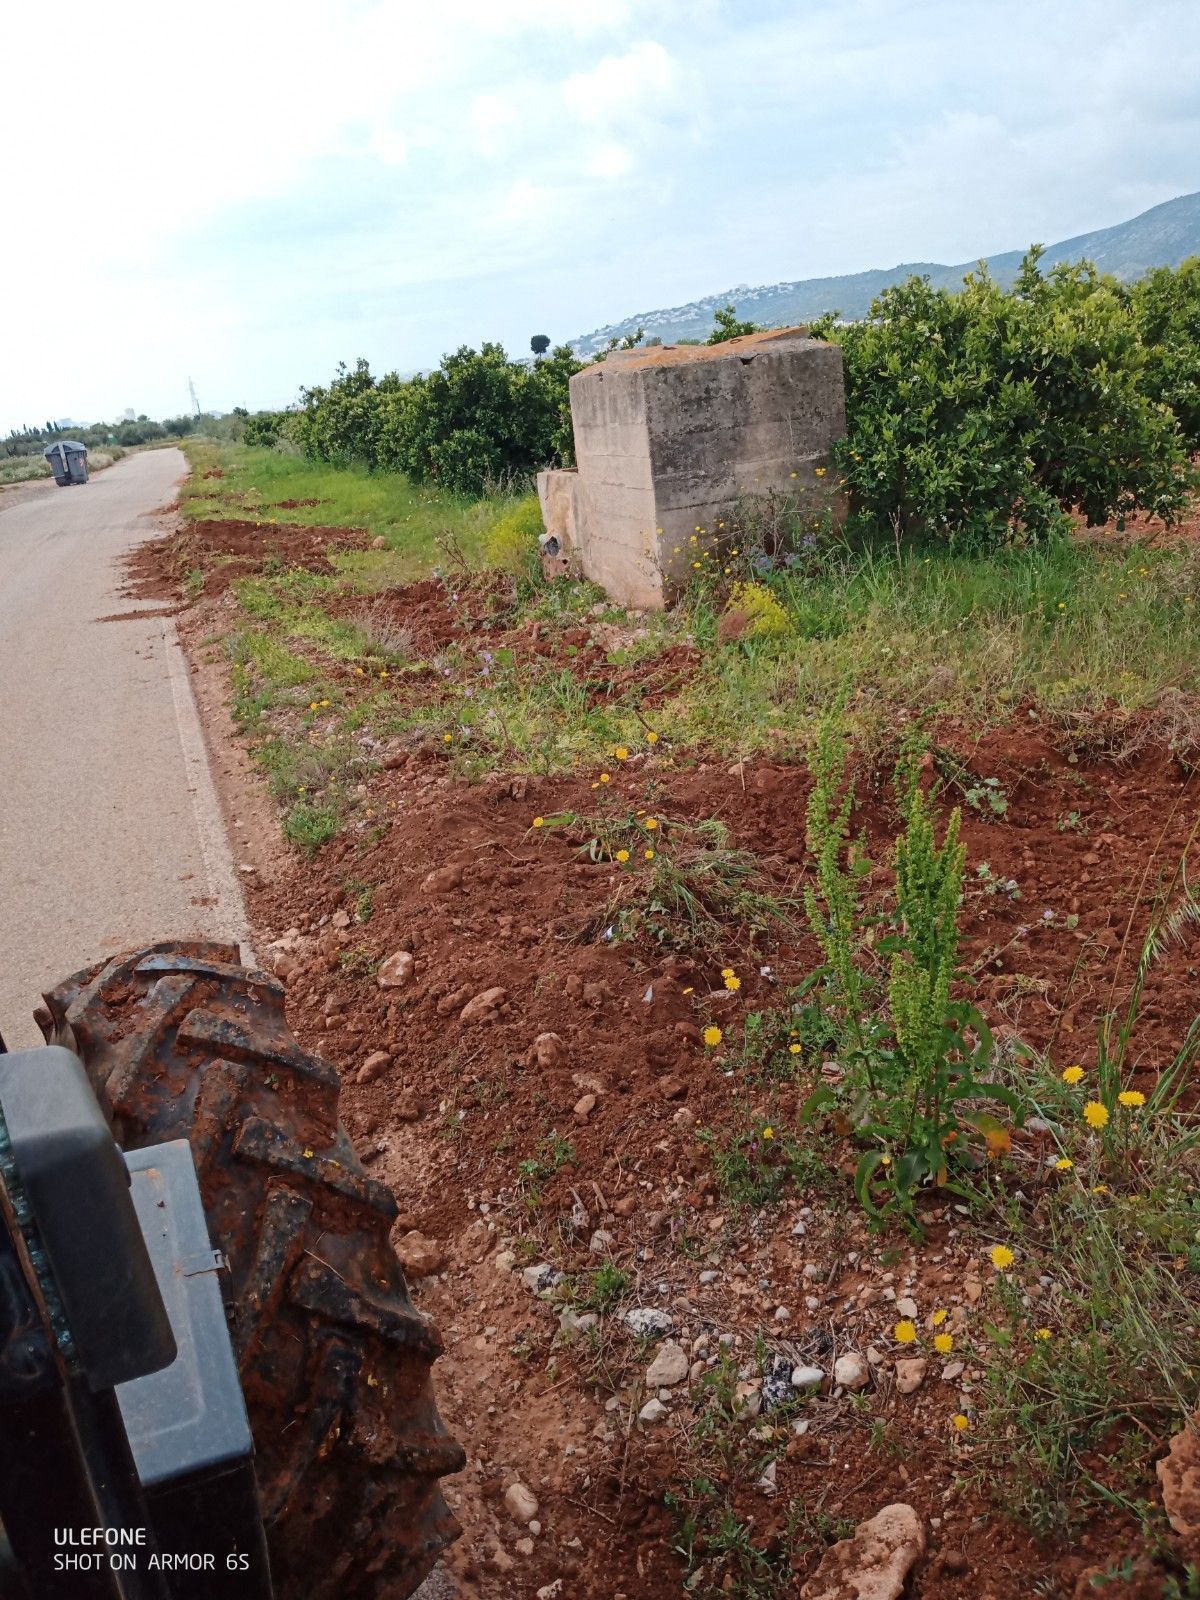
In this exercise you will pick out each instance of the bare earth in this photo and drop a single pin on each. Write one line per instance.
(110, 829)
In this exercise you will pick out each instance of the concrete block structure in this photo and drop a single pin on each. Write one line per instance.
(669, 438)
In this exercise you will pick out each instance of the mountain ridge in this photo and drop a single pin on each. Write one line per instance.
(1163, 236)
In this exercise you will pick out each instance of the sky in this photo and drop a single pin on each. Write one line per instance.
(249, 191)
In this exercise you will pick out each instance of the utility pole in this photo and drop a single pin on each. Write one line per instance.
(195, 402)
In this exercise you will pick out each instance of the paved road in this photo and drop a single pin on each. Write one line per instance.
(110, 829)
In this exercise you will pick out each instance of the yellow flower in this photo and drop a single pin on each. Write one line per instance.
(1062, 605)
(312, 705)
(1063, 1164)
(1101, 1188)
(1043, 1334)
(733, 984)
(652, 737)
(539, 822)
(308, 1155)
(794, 1049)
(712, 1036)
(768, 1133)
(905, 1332)
(621, 753)
(960, 1422)
(1002, 1257)
(622, 855)
(447, 738)
(939, 1317)
(1095, 1114)
(795, 474)
(943, 1343)
(1072, 1074)
(651, 823)
(727, 972)
(1132, 1098)
(649, 854)
(695, 566)
(820, 471)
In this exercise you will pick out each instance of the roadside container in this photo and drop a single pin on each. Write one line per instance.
(68, 461)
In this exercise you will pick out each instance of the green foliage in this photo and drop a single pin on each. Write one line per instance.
(726, 325)
(512, 540)
(310, 826)
(263, 429)
(928, 892)
(1166, 306)
(608, 1286)
(981, 417)
(832, 905)
(478, 421)
(766, 617)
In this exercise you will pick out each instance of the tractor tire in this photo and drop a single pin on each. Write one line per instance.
(181, 1042)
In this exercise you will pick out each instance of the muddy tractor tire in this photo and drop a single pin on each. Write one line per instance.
(181, 1042)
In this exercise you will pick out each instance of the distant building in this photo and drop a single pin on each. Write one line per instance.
(129, 414)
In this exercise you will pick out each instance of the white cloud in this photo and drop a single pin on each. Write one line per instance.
(284, 183)
(610, 161)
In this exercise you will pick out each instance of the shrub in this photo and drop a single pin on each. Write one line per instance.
(512, 540)
(726, 325)
(763, 616)
(479, 420)
(982, 416)
(1166, 306)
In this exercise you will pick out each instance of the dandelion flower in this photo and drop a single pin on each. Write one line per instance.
(939, 1316)
(695, 566)
(943, 1343)
(727, 972)
(621, 753)
(447, 738)
(622, 855)
(1132, 1098)
(651, 823)
(794, 1049)
(713, 1037)
(1043, 1334)
(820, 471)
(768, 1133)
(795, 474)
(1072, 1074)
(733, 984)
(1095, 1114)
(539, 822)
(1062, 605)
(1002, 1257)
(1063, 1164)
(905, 1332)
(652, 737)
(961, 1422)
(649, 854)
(1101, 1188)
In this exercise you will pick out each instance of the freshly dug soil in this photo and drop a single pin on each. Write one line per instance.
(533, 1076)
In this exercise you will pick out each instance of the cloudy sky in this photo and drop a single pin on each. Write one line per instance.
(249, 191)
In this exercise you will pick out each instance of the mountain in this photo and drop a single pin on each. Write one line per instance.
(1161, 237)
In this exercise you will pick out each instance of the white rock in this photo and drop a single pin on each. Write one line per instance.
(766, 1483)
(395, 971)
(851, 1371)
(521, 1503)
(601, 1242)
(910, 1374)
(646, 1322)
(652, 1411)
(708, 1276)
(538, 1279)
(670, 1366)
(807, 1377)
(907, 1308)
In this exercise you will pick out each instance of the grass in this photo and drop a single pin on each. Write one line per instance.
(1097, 641)
(410, 520)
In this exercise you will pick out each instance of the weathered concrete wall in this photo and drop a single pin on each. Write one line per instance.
(670, 437)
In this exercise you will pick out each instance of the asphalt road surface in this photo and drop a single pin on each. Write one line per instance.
(110, 830)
